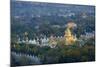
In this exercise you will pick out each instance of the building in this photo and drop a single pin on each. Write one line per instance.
(69, 37)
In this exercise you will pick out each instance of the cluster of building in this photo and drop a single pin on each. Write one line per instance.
(33, 59)
(52, 41)
(88, 35)
(46, 41)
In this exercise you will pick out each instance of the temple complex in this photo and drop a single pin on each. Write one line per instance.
(52, 41)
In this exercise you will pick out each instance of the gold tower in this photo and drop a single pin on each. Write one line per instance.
(69, 38)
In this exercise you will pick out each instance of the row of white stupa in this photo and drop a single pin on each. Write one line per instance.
(50, 41)
(32, 58)
(41, 42)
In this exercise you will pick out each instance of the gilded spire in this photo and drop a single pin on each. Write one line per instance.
(69, 37)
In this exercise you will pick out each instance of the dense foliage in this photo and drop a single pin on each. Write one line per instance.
(60, 54)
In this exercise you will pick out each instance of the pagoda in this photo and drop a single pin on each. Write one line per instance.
(69, 37)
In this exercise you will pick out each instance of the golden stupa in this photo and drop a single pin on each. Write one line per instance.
(69, 37)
